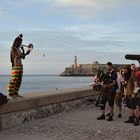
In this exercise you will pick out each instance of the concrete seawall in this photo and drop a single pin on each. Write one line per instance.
(35, 106)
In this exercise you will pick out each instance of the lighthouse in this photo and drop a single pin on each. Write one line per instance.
(75, 62)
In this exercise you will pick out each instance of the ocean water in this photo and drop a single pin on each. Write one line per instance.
(43, 83)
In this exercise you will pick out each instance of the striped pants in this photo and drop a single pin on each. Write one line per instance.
(15, 83)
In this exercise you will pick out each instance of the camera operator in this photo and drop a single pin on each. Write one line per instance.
(109, 90)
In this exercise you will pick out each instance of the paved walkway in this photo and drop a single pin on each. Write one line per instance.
(78, 124)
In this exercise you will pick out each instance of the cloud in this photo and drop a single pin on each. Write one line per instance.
(102, 4)
(105, 9)
(122, 50)
(62, 29)
(24, 3)
(95, 3)
(60, 47)
(76, 2)
(4, 13)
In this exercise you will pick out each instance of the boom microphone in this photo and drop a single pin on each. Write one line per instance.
(132, 57)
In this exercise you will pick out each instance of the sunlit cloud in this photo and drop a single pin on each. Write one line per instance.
(108, 49)
(95, 3)
(25, 3)
(122, 50)
(76, 2)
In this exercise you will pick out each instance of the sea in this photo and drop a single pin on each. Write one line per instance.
(44, 83)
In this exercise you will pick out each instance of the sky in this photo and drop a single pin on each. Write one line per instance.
(92, 30)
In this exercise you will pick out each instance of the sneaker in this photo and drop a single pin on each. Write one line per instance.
(136, 122)
(102, 117)
(110, 118)
(19, 96)
(16, 93)
(119, 115)
(13, 96)
(91, 100)
(108, 114)
(130, 120)
(9, 97)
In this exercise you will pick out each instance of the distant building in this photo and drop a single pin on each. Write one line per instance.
(85, 69)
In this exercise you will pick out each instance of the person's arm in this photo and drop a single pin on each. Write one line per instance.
(21, 55)
(114, 81)
(119, 82)
(111, 84)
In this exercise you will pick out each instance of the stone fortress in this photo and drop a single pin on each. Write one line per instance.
(84, 69)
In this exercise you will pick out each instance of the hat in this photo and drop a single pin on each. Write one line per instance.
(20, 35)
(18, 39)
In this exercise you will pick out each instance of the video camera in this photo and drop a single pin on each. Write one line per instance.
(104, 78)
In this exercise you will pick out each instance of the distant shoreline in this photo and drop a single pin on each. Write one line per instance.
(33, 75)
(74, 75)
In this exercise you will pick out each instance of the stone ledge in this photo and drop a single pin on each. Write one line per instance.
(43, 99)
(17, 112)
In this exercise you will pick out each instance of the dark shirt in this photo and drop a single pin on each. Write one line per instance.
(113, 76)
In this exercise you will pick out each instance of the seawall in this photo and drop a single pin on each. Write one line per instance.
(39, 105)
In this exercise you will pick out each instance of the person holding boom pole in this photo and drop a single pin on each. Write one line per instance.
(17, 53)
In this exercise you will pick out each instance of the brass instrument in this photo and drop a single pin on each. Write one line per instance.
(30, 46)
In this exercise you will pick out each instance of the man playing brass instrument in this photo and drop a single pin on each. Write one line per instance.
(17, 53)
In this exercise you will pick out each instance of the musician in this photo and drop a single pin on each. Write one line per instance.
(17, 53)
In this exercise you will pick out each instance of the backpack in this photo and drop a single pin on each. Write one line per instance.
(3, 99)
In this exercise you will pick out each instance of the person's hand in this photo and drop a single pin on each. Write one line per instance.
(22, 47)
(133, 95)
(28, 52)
(104, 86)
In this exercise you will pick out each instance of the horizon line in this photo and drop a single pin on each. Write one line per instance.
(31, 74)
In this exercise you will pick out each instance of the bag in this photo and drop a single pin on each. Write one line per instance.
(3, 99)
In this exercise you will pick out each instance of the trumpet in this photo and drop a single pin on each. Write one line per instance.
(24, 46)
(30, 46)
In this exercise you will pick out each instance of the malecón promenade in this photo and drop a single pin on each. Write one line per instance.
(61, 115)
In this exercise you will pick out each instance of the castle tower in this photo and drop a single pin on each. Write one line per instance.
(95, 64)
(75, 62)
